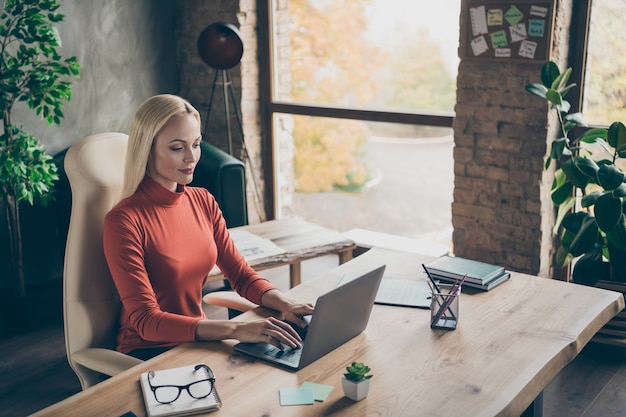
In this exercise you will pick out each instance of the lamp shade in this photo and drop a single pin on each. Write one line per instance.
(220, 45)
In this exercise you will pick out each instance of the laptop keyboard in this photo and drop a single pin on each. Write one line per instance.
(289, 354)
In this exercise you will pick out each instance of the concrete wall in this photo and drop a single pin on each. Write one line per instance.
(127, 51)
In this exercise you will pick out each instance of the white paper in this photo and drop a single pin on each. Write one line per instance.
(527, 49)
(518, 32)
(254, 247)
(503, 52)
(479, 45)
(478, 18)
(538, 11)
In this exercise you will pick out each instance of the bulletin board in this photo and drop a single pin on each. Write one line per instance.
(506, 30)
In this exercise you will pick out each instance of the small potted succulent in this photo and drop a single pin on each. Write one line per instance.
(356, 381)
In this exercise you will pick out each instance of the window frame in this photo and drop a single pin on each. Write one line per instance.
(269, 107)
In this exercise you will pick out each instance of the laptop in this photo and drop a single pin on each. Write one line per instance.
(339, 315)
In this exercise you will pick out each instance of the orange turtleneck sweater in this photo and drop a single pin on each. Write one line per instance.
(160, 247)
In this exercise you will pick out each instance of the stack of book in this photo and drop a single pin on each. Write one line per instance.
(480, 275)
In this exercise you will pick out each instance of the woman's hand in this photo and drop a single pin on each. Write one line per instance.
(270, 330)
(292, 311)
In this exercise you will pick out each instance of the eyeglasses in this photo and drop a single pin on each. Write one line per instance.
(167, 394)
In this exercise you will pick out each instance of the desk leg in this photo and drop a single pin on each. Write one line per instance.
(535, 409)
(295, 274)
(345, 256)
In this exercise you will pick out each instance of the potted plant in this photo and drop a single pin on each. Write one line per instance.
(356, 381)
(588, 189)
(31, 72)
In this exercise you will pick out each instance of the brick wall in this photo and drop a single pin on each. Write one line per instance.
(501, 210)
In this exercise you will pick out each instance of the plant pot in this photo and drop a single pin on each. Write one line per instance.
(356, 391)
(614, 332)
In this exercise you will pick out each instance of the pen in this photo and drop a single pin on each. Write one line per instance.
(430, 277)
(454, 292)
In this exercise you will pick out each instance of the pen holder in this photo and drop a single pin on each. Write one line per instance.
(444, 309)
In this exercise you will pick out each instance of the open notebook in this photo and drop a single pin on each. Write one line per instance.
(180, 386)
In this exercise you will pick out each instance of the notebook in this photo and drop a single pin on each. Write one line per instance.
(400, 292)
(185, 404)
(339, 315)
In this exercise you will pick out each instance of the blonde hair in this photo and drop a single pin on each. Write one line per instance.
(150, 117)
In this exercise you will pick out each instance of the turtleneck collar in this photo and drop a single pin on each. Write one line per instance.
(160, 195)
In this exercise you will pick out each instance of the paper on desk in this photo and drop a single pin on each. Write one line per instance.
(296, 396)
(320, 391)
(251, 247)
(254, 247)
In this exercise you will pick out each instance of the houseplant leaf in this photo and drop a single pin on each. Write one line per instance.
(572, 120)
(589, 268)
(608, 211)
(537, 90)
(591, 135)
(561, 188)
(564, 209)
(610, 177)
(589, 200)
(554, 97)
(617, 235)
(549, 72)
(620, 191)
(579, 175)
(616, 135)
(586, 231)
(586, 166)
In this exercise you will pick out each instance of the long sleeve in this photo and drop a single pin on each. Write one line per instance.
(160, 247)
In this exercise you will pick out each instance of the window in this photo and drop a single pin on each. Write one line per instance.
(357, 86)
(605, 81)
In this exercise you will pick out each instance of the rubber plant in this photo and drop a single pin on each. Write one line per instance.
(31, 72)
(589, 188)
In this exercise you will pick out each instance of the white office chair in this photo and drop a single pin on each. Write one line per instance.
(91, 305)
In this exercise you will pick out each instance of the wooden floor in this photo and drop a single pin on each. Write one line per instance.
(34, 373)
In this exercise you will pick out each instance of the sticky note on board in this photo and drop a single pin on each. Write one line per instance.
(518, 32)
(498, 39)
(538, 11)
(479, 45)
(527, 49)
(478, 19)
(513, 15)
(536, 27)
(502, 52)
(494, 17)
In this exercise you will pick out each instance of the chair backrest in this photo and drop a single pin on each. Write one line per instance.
(91, 305)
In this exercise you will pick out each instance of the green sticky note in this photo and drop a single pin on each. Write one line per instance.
(498, 39)
(320, 391)
(513, 15)
(296, 396)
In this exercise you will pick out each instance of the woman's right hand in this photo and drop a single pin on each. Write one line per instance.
(269, 330)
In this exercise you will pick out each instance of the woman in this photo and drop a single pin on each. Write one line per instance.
(162, 239)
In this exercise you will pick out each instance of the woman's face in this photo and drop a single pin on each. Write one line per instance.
(175, 152)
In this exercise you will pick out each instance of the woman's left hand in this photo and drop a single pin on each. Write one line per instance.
(295, 312)
(292, 311)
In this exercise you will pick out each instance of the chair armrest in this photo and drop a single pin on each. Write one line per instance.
(228, 299)
(106, 361)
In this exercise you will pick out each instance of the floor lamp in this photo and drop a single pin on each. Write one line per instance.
(221, 47)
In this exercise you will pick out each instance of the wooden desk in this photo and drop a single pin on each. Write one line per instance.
(509, 345)
(301, 240)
